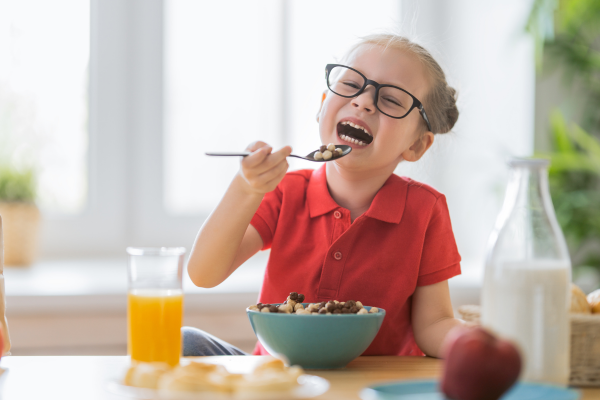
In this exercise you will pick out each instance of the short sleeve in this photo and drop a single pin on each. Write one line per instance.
(440, 259)
(266, 217)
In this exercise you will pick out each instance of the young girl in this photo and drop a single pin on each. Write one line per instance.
(350, 229)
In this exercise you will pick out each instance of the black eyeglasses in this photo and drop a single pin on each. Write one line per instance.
(391, 100)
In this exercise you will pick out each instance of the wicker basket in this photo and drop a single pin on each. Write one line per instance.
(585, 345)
(21, 225)
(585, 350)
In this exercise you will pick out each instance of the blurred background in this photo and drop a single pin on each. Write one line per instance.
(107, 108)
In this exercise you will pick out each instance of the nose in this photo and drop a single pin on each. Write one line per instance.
(365, 100)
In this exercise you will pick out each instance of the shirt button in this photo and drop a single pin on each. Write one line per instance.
(337, 255)
(337, 214)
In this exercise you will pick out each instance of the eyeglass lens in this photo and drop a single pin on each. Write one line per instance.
(391, 101)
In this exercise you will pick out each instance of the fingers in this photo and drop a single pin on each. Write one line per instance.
(252, 147)
(277, 172)
(264, 159)
(264, 169)
(273, 160)
(257, 157)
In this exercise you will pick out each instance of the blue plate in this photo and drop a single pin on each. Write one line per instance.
(428, 390)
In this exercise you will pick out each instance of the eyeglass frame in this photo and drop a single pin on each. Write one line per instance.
(416, 102)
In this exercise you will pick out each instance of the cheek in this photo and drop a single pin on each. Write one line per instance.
(393, 139)
(332, 105)
(416, 122)
(327, 116)
(390, 133)
(401, 132)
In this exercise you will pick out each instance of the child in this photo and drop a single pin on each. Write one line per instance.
(350, 229)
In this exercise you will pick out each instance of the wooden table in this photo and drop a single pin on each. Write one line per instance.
(85, 377)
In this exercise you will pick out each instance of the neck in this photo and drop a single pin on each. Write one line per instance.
(354, 190)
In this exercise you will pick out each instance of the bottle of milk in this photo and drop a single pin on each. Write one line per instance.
(526, 290)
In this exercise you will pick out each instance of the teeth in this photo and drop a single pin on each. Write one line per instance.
(356, 126)
(352, 140)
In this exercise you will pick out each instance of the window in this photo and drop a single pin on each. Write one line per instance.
(223, 90)
(163, 80)
(252, 74)
(43, 96)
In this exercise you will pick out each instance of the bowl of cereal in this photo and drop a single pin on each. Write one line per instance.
(324, 335)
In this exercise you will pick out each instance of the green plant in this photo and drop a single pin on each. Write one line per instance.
(567, 39)
(575, 186)
(17, 185)
(567, 36)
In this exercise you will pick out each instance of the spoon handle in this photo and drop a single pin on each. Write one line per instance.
(244, 154)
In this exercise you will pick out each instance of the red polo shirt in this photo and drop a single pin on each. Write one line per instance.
(404, 240)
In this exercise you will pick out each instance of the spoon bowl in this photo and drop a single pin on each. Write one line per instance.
(309, 157)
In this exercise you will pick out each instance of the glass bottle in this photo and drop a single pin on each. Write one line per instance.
(526, 290)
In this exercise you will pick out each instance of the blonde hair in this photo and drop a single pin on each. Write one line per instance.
(440, 101)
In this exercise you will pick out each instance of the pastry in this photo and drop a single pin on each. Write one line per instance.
(195, 377)
(145, 375)
(579, 303)
(269, 365)
(269, 380)
(594, 301)
(270, 375)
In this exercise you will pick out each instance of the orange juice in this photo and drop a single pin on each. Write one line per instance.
(154, 324)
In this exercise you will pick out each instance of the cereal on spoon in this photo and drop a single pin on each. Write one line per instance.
(293, 305)
(328, 152)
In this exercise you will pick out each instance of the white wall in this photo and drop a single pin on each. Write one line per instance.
(482, 45)
(489, 59)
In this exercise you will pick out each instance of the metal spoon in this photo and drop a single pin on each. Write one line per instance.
(310, 156)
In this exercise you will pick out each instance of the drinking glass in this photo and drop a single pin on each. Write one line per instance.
(155, 304)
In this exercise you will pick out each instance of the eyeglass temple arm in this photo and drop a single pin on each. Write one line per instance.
(424, 115)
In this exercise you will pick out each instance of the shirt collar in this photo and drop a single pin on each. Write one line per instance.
(387, 206)
(319, 200)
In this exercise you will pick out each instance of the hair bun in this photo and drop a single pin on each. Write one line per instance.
(452, 110)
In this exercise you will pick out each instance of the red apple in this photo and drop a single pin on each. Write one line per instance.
(477, 365)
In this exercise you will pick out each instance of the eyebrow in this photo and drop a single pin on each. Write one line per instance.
(376, 80)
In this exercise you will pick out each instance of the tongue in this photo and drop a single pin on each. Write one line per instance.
(354, 133)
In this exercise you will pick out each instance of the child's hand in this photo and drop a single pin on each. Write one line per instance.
(263, 170)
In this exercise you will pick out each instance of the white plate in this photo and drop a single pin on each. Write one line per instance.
(309, 386)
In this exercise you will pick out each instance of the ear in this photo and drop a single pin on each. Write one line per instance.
(419, 147)
(321, 106)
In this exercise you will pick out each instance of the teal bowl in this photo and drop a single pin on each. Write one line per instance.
(316, 341)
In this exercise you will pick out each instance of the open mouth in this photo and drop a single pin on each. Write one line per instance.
(354, 133)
